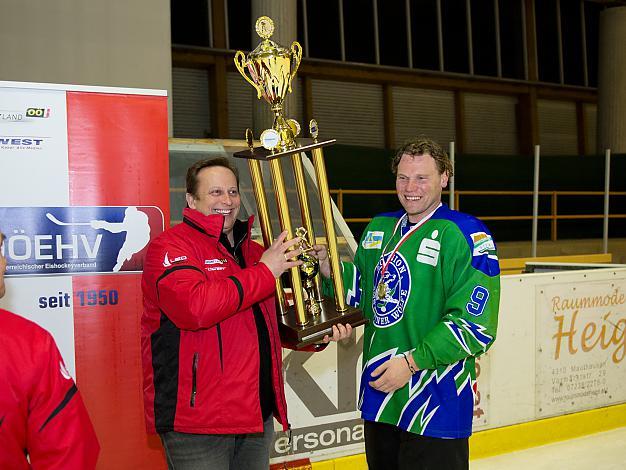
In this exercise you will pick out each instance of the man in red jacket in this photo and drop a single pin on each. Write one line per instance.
(211, 351)
(43, 421)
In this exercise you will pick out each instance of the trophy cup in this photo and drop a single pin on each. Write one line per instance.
(271, 70)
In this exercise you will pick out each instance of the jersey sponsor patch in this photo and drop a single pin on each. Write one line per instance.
(428, 252)
(389, 308)
(483, 245)
(373, 240)
(215, 261)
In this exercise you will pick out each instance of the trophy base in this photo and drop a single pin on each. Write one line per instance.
(297, 337)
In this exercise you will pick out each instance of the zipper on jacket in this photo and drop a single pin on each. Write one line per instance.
(281, 384)
(194, 371)
(219, 344)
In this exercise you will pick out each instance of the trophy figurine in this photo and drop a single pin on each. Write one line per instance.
(270, 69)
(309, 269)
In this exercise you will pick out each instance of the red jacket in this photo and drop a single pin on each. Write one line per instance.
(198, 334)
(41, 411)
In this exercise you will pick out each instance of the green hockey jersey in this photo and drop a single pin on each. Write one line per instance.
(432, 291)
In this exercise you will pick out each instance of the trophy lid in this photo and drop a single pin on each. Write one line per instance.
(265, 28)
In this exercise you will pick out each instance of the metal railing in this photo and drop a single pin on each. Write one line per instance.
(554, 216)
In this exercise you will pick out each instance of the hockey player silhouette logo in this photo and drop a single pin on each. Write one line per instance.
(137, 228)
(389, 299)
(57, 240)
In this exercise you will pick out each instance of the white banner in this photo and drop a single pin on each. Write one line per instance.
(33, 147)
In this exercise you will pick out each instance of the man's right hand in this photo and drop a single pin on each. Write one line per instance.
(321, 253)
(278, 258)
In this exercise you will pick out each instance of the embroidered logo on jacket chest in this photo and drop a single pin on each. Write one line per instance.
(215, 264)
(167, 262)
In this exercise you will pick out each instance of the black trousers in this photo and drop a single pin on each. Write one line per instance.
(388, 447)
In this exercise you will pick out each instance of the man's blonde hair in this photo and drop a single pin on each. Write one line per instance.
(424, 146)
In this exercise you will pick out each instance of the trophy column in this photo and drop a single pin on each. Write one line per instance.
(264, 220)
(329, 225)
(285, 224)
(305, 211)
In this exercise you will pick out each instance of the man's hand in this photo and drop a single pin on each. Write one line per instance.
(340, 332)
(321, 253)
(392, 375)
(278, 258)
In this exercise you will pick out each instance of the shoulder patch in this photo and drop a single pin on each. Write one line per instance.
(373, 240)
(483, 245)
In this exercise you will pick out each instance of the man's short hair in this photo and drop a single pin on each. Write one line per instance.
(192, 172)
(424, 146)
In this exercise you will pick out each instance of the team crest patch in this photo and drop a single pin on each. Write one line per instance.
(483, 245)
(373, 240)
(392, 291)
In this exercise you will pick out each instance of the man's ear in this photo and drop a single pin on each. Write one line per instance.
(444, 179)
(191, 201)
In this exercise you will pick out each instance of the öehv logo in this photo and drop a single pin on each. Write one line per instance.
(68, 240)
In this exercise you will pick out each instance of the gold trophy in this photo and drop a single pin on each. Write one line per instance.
(271, 69)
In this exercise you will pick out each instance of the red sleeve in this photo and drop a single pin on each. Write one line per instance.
(60, 433)
(192, 301)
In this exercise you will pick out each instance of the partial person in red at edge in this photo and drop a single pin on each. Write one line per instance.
(211, 351)
(43, 420)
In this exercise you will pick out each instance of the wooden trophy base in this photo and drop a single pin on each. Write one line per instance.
(297, 337)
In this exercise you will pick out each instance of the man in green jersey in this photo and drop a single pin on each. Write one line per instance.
(427, 278)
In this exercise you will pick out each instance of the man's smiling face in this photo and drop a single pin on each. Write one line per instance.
(419, 185)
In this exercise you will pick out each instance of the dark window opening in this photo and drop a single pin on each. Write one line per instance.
(484, 37)
(572, 36)
(454, 21)
(190, 23)
(392, 33)
(592, 34)
(241, 25)
(424, 34)
(323, 29)
(547, 40)
(511, 39)
(358, 28)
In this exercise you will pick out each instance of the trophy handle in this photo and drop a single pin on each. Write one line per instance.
(296, 54)
(240, 62)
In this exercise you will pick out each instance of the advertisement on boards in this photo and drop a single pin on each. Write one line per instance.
(581, 344)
